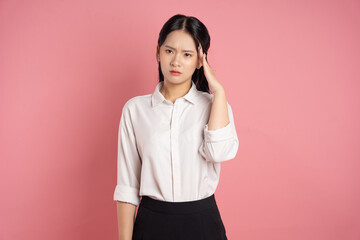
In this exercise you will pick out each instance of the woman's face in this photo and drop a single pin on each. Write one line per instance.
(178, 53)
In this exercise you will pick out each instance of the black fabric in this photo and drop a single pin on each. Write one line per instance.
(161, 220)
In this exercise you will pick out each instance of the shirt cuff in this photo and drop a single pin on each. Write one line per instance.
(127, 194)
(219, 134)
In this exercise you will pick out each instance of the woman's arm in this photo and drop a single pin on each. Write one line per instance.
(126, 216)
(126, 192)
(220, 138)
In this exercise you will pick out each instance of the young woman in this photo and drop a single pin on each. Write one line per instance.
(171, 143)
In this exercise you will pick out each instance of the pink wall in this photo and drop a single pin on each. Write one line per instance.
(291, 72)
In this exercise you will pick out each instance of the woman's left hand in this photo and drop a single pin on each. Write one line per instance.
(214, 84)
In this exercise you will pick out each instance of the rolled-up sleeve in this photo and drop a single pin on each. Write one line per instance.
(128, 162)
(220, 144)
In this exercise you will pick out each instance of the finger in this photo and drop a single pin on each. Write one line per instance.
(206, 62)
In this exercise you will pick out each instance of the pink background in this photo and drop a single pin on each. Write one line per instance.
(291, 73)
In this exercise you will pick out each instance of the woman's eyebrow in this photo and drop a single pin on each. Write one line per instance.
(175, 49)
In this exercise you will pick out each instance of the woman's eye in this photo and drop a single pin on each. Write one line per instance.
(167, 50)
(189, 55)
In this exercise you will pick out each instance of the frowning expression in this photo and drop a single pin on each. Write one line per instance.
(178, 53)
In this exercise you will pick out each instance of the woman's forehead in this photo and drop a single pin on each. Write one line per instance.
(179, 40)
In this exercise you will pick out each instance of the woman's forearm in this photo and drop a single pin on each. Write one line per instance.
(126, 217)
(219, 116)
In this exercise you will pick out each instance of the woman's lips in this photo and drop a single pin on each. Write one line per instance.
(175, 73)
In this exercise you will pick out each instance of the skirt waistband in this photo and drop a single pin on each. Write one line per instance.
(186, 207)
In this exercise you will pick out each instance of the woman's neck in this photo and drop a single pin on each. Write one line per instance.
(172, 92)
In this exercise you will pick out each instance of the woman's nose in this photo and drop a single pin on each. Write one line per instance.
(175, 60)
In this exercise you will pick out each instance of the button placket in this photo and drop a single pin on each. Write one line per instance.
(171, 150)
(176, 147)
(176, 167)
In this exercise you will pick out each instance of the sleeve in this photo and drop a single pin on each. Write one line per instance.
(220, 144)
(128, 162)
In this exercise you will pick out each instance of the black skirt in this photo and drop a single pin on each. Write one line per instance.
(162, 220)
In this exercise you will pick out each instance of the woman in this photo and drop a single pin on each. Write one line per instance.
(171, 143)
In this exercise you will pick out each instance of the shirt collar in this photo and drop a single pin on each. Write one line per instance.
(157, 96)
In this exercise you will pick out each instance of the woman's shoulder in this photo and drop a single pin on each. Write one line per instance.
(137, 101)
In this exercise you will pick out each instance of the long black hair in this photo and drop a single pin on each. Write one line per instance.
(199, 33)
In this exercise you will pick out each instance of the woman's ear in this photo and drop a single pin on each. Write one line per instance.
(199, 65)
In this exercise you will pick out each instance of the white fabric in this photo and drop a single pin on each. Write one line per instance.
(165, 150)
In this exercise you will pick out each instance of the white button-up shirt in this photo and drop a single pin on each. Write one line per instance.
(165, 150)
